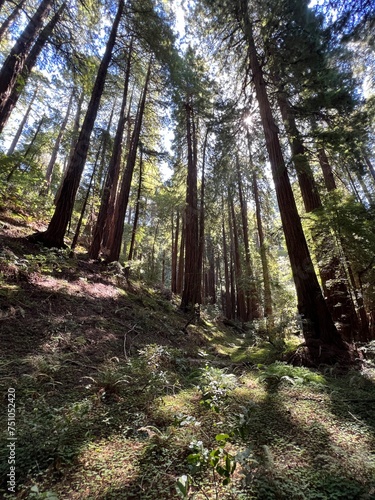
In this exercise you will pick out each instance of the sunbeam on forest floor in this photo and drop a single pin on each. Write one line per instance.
(117, 398)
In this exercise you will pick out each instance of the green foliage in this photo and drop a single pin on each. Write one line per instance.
(153, 370)
(183, 485)
(218, 460)
(109, 380)
(48, 436)
(37, 494)
(354, 230)
(295, 375)
(215, 385)
(47, 260)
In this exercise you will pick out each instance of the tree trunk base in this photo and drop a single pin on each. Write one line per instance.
(315, 352)
(46, 240)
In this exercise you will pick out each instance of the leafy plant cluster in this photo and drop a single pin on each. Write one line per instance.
(215, 387)
(280, 372)
(47, 260)
(221, 463)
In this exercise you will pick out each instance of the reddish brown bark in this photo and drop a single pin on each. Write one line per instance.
(318, 326)
(329, 179)
(115, 238)
(191, 294)
(13, 65)
(309, 191)
(54, 236)
(113, 172)
(332, 274)
(268, 309)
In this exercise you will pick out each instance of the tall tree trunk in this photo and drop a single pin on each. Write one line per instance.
(14, 63)
(192, 278)
(11, 16)
(309, 191)
(54, 235)
(152, 263)
(113, 196)
(163, 270)
(369, 165)
(22, 124)
(332, 274)
(352, 184)
(201, 246)
(175, 252)
(76, 125)
(85, 202)
(75, 133)
(365, 189)
(329, 179)
(29, 63)
(268, 308)
(210, 291)
(342, 298)
(228, 303)
(136, 213)
(252, 299)
(241, 301)
(56, 147)
(114, 243)
(103, 170)
(28, 149)
(319, 329)
(365, 331)
(232, 275)
(181, 259)
(113, 170)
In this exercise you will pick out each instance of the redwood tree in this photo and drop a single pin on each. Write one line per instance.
(115, 238)
(29, 63)
(13, 65)
(318, 326)
(191, 294)
(113, 173)
(54, 235)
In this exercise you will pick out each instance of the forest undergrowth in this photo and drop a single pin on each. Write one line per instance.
(120, 395)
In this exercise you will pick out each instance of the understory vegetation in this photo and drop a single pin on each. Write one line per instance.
(187, 235)
(120, 395)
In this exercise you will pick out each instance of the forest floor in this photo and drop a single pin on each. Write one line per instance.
(118, 395)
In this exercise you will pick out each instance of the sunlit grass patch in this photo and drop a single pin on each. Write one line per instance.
(185, 401)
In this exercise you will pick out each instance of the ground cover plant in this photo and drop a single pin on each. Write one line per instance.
(117, 398)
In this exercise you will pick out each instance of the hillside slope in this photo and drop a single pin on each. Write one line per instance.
(118, 394)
